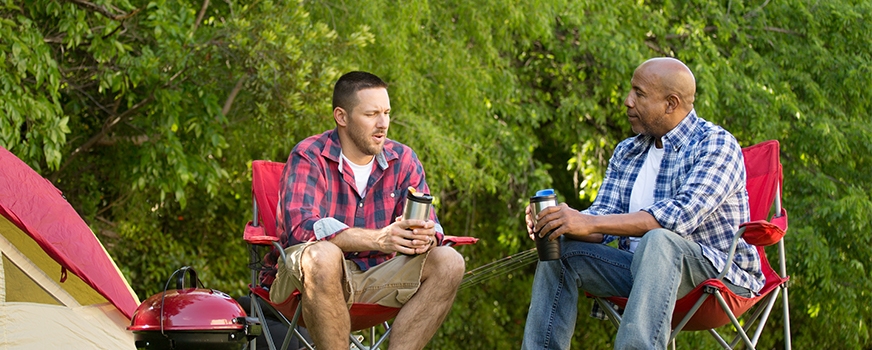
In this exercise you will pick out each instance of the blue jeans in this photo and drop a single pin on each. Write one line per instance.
(653, 279)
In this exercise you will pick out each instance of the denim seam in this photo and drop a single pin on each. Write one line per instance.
(554, 305)
(594, 256)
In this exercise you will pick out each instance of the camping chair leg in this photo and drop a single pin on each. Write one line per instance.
(787, 344)
(708, 290)
(783, 266)
(356, 342)
(719, 339)
(765, 317)
(733, 319)
(383, 338)
(255, 305)
(292, 326)
(287, 342)
(770, 301)
(612, 314)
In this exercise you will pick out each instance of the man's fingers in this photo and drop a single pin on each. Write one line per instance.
(549, 223)
(547, 211)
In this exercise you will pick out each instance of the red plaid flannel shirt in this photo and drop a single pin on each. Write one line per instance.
(318, 200)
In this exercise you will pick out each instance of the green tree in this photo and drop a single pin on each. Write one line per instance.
(556, 73)
(147, 113)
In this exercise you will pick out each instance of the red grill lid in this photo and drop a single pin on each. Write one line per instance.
(187, 309)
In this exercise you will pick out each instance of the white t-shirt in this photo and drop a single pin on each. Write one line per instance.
(643, 189)
(361, 174)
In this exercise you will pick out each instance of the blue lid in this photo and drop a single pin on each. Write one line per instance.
(546, 192)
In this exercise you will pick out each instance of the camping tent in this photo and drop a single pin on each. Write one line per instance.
(58, 286)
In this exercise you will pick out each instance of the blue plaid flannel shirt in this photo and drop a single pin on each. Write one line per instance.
(700, 193)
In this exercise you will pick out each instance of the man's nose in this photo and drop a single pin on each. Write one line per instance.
(628, 102)
(383, 121)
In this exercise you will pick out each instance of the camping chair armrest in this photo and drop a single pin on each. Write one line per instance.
(281, 250)
(451, 241)
(765, 233)
(257, 235)
(757, 233)
(732, 253)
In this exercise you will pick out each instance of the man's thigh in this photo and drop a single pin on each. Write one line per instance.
(694, 267)
(391, 283)
(598, 269)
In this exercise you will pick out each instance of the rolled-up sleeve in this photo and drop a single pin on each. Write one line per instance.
(608, 199)
(302, 189)
(714, 177)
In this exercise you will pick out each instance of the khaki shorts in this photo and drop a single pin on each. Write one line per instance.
(391, 283)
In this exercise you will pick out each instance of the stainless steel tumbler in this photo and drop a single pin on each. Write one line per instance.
(548, 250)
(417, 207)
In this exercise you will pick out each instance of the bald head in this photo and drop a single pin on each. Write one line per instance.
(661, 96)
(672, 77)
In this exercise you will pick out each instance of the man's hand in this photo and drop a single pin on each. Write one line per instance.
(561, 220)
(407, 237)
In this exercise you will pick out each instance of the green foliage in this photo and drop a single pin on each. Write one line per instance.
(131, 109)
(147, 115)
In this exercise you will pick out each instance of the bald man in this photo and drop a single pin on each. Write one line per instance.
(673, 197)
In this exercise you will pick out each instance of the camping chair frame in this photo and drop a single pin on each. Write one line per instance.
(258, 237)
(759, 233)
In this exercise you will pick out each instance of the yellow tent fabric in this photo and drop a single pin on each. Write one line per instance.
(39, 312)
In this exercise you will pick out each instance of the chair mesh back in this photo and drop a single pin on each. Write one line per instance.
(265, 183)
(763, 169)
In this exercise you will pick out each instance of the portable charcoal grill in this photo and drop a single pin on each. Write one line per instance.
(191, 319)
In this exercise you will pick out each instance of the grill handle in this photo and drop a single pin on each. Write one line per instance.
(180, 278)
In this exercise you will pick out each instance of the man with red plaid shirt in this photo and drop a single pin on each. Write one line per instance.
(340, 194)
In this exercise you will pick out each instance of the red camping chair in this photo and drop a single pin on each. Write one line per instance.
(697, 311)
(261, 233)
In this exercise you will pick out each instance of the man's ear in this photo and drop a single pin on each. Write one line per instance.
(340, 116)
(673, 102)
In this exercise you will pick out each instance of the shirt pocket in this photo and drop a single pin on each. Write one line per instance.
(391, 202)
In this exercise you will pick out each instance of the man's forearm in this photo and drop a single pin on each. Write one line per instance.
(630, 225)
(355, 239)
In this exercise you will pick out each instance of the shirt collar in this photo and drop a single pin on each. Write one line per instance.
(681, 133)
(675, 138)
(333, 150)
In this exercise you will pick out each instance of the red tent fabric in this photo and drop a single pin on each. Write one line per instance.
(34, 205)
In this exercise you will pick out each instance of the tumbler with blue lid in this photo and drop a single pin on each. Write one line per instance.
(548, 250)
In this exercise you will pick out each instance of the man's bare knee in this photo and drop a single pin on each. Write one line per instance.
(446, 263)
(322, 261)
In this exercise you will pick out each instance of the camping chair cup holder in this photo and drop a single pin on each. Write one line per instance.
(698, 310)
(260, 233)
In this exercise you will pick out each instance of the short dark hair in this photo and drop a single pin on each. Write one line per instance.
(346, 88)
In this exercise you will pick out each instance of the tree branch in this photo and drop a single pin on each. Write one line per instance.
(98, 136)
(200, 16)
(229, 103)
(654, 47)
(753, 12)
(781, 30)
(102, 10)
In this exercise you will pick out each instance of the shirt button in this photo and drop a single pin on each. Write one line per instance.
(360, 205)
(392, 195)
